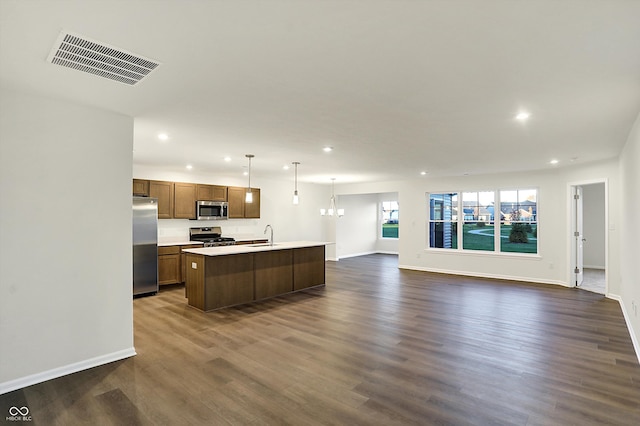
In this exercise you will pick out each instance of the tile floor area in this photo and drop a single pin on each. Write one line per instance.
(594, 280)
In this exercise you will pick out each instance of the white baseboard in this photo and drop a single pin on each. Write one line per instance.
(54, 373)
(627, 319)
(593, 267)
(482, 275)
(346, 256)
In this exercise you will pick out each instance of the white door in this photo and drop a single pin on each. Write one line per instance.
(578, 233)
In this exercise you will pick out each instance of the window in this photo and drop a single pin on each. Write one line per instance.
(503, 221)
(443, 220)
(389, 219)
(518, 221)
(478, 227)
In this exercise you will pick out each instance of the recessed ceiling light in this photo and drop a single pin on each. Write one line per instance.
(522, 116)
(423, 173)
(554, 161)
(327, 149)
(285, 167)
(227, 159)
(163, 136)
(189, 167)
(245, 173)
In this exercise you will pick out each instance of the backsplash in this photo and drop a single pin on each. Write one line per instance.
(237, 228)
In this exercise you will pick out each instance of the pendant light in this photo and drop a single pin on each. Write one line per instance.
(296, 199)
(333, 209)
(249, 195)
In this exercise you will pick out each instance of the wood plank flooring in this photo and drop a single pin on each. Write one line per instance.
(377, 346)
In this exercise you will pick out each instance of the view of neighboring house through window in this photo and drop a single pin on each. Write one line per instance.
(508, 224)
(478, 226)
(443, 220)
(389, 219)
(519, 221)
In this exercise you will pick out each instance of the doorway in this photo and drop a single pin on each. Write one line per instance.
(589, 236)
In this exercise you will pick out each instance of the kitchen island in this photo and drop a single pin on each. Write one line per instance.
(219, 277)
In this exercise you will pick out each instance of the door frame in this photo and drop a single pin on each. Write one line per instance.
(570, 275)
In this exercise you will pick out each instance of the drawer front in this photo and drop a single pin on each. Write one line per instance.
(168, 250)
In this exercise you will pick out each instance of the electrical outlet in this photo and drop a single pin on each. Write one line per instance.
(194, 265)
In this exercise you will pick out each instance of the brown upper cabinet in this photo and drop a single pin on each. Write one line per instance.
(163, 191)
(252, 210)
(178, 199)
(141, 187)
(238, 208)
(211, 193)
(184, 204)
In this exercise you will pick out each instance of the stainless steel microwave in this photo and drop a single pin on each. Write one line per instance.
(212, 210)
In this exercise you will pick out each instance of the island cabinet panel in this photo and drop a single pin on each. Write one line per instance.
(273, 273)
(228, 281)
(308, 267)
(195, 288)
(247, 274)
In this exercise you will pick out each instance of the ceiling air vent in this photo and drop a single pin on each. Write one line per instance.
(83, 54)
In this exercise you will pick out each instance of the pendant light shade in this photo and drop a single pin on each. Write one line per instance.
(249, 195)
(296, 199)
(333, 209)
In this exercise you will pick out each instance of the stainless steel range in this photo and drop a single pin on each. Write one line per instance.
(210, 236)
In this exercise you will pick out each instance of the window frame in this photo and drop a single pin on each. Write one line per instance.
(381, 222)
(497, 251)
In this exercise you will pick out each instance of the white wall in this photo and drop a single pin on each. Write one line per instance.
(65, 238)
(594, 225)
(629, 278)
(357, 230)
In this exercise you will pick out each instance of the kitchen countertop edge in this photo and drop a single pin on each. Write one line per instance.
(249, 248)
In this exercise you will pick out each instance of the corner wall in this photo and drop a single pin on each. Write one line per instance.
(629, 280)
(65, 238)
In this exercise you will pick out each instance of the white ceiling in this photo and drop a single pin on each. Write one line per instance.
(396, 87)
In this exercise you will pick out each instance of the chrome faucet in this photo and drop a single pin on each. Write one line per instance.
(265, 231)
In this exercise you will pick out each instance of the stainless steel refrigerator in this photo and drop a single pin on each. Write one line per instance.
(145, 245)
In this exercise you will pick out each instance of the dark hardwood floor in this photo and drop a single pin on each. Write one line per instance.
(377, 346)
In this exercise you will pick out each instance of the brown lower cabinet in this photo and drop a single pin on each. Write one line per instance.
(172, 264)
(169, 270)
(215, 282)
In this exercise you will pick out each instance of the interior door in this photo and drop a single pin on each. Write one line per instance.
(578, 234)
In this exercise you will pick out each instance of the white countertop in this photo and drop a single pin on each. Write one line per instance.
(253, 248)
